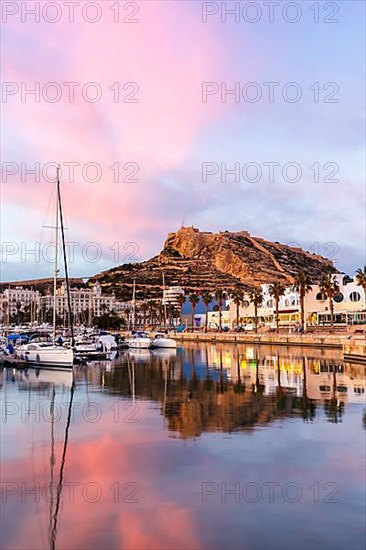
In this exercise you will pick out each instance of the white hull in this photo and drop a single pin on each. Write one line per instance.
(51, 356)
(164, 343)
(139, 343)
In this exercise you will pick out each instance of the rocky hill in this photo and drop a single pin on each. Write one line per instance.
(199, 260)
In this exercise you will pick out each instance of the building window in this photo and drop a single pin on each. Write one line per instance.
(321, 297)
(355, 296)
(338, 297)
(270, 303)
(245, 303)
(287, 303)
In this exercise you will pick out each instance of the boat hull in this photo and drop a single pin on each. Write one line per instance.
(50, 357)
(139, 343)
(164, 343)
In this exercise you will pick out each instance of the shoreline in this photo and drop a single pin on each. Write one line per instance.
(353, 349)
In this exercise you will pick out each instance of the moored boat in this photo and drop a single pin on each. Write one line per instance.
(162, 340)
(140, 340)
(41, 351)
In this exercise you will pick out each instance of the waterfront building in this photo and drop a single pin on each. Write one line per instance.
(349, 306)
(15, 300)
(86, 303)
(171, 296)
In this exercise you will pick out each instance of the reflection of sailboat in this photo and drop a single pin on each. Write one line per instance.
(55, 379)
(60, 378)
(164, 353)
(139, 355)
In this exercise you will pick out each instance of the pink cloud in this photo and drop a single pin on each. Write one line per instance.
(168, 61)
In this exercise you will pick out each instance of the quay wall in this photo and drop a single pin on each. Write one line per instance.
(358, 346)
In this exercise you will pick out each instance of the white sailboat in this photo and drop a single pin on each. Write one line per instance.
(41, 349)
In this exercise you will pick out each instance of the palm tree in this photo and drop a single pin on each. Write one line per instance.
(206, 299)
(276, 291)
(361, 277)
(302, 284)
(237, 296)
(181, 299)
(152, 307)
(329, 286)
(6, 313)
(256, 298)
(361, 280)
(193, 299)
(144, 308)
(19, 308)
(220, 296)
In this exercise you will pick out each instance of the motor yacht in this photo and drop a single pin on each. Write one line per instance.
(41, 351)
(140, 340)
(162, 340)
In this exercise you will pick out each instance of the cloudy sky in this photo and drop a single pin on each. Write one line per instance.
(133, 100)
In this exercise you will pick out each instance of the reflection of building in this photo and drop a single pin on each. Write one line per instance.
(349, 306)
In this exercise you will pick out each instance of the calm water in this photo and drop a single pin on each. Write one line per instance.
(209, 447)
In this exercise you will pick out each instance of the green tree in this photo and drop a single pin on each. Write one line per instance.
(144, 308)
(5, 308)
(361, 280)
(276, 290)
(152, 311)
(237, 296)
(193, 299)
(206, 299)
(256, 298)
(302, 285)
(20, 312)
(181, 299)
(220, 296)
(329, 286)
(361, 277)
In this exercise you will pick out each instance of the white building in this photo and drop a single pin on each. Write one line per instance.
(14, 300)
(349, 306)
(87, 301)
(171, 296)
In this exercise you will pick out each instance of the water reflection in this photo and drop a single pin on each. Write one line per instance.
(158, 425)
(216, 388)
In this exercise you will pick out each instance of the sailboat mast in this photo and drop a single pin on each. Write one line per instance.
(56, 260)
(134, 304)
(164, 302)
(71, 321)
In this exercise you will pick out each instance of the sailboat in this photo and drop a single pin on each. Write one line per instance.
(41, 349)
(140, 339)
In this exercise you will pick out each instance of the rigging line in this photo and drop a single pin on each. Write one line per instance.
(71, 323)
(59, 486)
